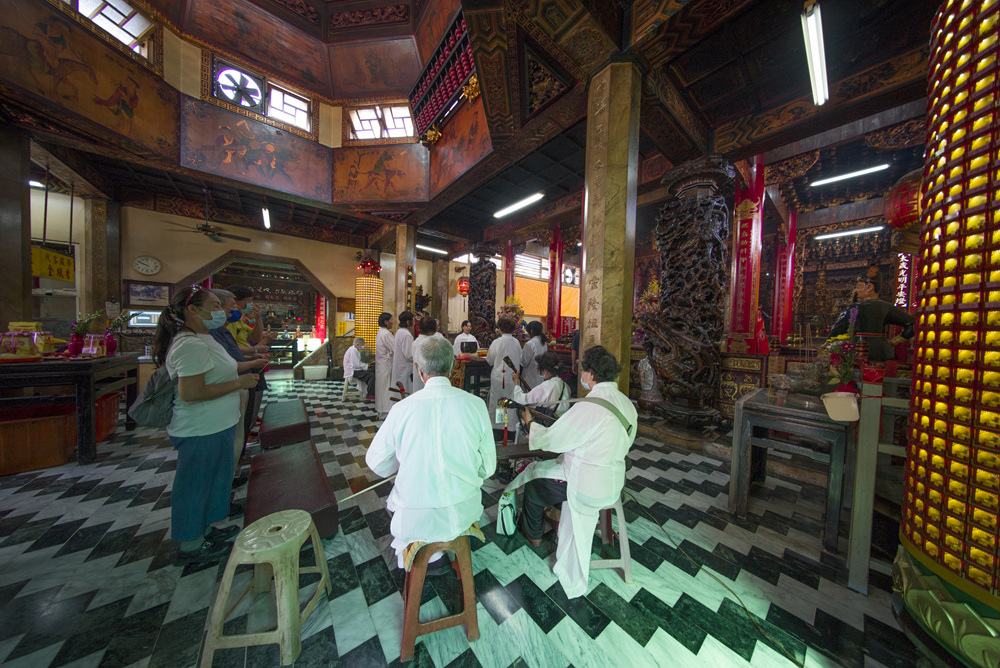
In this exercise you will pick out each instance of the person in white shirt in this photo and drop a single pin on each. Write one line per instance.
(428, 330)
(440, 442)
(532, 349)
(385, 346)
(589, 474)
(502, 378)
(206, 409)
(465, 337)
(402, 359)
(552, 388)
(355, 368)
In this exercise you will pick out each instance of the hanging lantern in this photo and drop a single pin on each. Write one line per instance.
(902, 203)
(463, 286)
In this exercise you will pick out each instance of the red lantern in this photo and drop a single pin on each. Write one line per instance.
(902, 202)
(463, 286)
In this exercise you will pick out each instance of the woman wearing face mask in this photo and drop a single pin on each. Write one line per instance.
(206, 410)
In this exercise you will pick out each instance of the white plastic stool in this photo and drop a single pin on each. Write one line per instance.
(272, 545)
(604, 526)
(357, 386)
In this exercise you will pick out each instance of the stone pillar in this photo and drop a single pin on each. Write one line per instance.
(102, 234)
(683, 337)
(748, 221)
(508, 271)
(15, 226)
(555, 283)
(784, 283)
(439, 296)
(609, 212)
(406, 257)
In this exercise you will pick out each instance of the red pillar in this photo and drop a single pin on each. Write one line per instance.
(508, 271)
(784, 283)
(745, 282)
(555, 284)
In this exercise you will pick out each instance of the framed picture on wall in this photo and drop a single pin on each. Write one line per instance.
(147, 294)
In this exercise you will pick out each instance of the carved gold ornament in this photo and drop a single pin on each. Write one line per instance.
(432, 135)
(746, 209)
(471, 89)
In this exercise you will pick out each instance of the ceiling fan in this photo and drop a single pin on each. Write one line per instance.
(212, 232)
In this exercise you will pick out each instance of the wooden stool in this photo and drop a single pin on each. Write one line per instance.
(604, 526)
(272, 545)
(415, 585)
(357, 386)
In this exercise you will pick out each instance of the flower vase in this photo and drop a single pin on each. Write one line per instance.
(75, 345)
(110, 343)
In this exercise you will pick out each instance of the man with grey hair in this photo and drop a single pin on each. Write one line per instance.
(440, 441)
(356, 369)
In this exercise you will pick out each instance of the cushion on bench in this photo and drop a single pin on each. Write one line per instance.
(291, 478)
(284, 422)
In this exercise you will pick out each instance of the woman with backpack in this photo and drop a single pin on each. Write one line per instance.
(206, 409)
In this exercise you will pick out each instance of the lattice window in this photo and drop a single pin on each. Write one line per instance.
(119, 19)
(288, 108)
(381, 122)
(532, 266)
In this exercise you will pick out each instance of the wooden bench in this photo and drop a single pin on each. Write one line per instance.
(284, 422)
(289, 478)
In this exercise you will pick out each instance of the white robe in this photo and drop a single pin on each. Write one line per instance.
(501, 379)
(593, 446)
(402, 360)
(385, 345)
(441, 442)
(463, 338)
(553, 389)
(352, 363)
(529, 367)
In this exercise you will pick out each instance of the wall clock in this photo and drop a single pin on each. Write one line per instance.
(147, 265)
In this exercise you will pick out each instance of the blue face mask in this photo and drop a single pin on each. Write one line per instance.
(217, 320)
(585, 384)
(234, 315)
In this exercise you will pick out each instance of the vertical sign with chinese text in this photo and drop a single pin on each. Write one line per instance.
(745, 280)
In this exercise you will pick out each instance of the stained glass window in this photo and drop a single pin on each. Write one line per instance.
(381, 122)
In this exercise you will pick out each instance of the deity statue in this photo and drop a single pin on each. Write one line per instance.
(873, 316)
(650, 395)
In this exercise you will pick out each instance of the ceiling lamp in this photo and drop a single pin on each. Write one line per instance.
(812, 31)
(849, 233)
(432, 250)
(519, 205)
(849, 175)
(266, 214)
(36, 184)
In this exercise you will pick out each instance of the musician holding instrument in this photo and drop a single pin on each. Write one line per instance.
(552, 388)
(464, 337)
(385, 346)
(502, 382)
(593, 438)
(441, 442)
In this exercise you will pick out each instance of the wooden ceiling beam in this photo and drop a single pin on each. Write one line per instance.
(67, 167)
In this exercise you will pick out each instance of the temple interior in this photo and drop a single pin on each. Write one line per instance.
(781, 218)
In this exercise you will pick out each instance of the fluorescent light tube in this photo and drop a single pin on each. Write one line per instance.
(36, 184)
(848, 233)
(812, 32)
(519, 205)
(432, 250)
(267, 218)
(850, 175)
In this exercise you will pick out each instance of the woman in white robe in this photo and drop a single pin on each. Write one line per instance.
(532, 349)
(502, 378)
(593, 443)
(464, 337)
(552, 388)
(402, 360)
(385, 345)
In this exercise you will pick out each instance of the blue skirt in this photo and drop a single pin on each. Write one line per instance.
(202, 483)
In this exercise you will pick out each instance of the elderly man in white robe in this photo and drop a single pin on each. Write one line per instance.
(440, 442)
(428, 330)
(356, 369)
(402, 360)
(589, 474)
(385, 346)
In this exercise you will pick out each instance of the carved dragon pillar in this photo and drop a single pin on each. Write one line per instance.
(683, 337)
(482, 296)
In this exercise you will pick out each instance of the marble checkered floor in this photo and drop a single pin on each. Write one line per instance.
(86, 576)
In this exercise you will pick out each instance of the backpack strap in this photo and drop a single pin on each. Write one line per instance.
(614, 411)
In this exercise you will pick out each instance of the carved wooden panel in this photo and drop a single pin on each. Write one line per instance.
(435, 20)
(466, 140)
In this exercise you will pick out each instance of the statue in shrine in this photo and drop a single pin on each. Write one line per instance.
(873, 316)
(650, 396)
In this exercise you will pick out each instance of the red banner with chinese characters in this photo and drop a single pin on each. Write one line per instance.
(784, 277)
(320, 317)
(745, 277)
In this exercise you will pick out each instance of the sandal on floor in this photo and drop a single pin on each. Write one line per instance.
(207, 553)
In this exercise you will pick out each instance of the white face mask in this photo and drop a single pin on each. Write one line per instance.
(585, 384)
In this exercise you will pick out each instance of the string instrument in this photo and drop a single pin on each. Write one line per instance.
(510, 363)
(400, 390)
(543, 414)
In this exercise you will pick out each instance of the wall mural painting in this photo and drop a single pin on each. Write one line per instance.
(464, 142)
(46, 54)
(221, 142)
(374, 68)
(434, 22)
(396, 173)
(252, 33)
